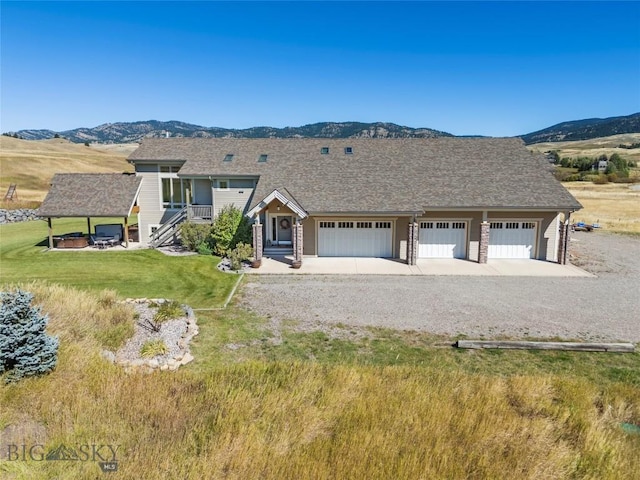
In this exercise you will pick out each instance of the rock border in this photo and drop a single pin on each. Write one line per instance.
(159, 362)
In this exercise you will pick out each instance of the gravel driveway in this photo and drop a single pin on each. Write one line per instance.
(606, 308)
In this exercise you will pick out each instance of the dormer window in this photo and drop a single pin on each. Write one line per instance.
(228, 157)
(348, 150)
(262, 158)
(324, 150)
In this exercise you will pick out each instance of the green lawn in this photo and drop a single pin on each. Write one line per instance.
(193, 280)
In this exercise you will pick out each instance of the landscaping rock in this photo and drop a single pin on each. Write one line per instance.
(18, 215)
(108, 356)
(176, 335)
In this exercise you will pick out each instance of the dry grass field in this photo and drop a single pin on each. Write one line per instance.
(31, 164)
(313, 420)
(594, 147)
(615, 206)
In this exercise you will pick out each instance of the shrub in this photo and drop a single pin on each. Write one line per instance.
(195, 234)
(165, 311)
(238, 254)
(152, 348)
(601, 180)
(25, 347)
(204, 249)
(230, 228)
(168, 311)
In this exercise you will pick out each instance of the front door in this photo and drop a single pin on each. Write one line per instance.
(283, 229)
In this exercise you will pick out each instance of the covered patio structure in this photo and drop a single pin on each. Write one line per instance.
(91, 195)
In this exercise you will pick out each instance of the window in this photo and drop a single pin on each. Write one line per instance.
(363, 225)
(512, 225)
(426, 224)
(345, 224)
(327, 224)
(173, 189)
(383, 224)
(324, 150)
(458, 225)
(348, 150)
(223, 184)
(262, 158)
(495, 225)
(228, 157)
(442, 224)
(528, 225)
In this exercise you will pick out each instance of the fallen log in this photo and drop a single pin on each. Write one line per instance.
(565, 346)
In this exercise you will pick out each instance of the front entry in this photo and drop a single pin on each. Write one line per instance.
(281, 230)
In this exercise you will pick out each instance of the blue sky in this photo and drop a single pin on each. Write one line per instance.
(485, 68)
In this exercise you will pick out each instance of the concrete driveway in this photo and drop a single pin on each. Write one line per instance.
(383, 266)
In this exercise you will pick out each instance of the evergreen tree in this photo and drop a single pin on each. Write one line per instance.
(25, 347)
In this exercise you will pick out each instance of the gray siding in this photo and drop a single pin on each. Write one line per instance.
(238, 197)
(151, 210)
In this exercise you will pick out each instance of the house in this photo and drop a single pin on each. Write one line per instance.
(468, 198)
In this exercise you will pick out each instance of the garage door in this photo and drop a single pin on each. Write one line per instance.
(442, 240)
(512, 239)
(354, 238)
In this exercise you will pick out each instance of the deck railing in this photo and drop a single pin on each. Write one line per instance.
(200, 212)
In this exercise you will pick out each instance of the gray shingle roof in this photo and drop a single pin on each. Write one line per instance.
(381, 175)
(90, 195)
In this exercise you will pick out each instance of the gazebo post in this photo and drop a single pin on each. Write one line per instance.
(50, 233)
(126, 232)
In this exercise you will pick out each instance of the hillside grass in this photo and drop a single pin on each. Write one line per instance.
(615, 206)
(31, 164)
(594, 147)
(136, 273)
(290, 417)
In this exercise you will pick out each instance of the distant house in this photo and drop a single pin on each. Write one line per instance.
(469, 198)
(600, 166)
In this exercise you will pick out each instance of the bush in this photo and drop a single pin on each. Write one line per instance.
(230, 228)
(195, 234)
(204, 249)
(601, 180)
(152, 348)
(25, 347)
(239, 254)
(168, 311)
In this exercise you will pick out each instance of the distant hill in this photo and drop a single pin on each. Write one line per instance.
(130, 132)
(126, 132)
(585, 129)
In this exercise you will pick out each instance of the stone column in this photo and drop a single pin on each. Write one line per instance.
(483, 246)
(297, 240)
(412, 243)
(257, 241)
(563, 245)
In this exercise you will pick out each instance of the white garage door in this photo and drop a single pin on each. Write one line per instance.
(512, 239)
(354, 238)
(442, 240)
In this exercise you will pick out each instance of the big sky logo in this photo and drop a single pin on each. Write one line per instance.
(103, 454)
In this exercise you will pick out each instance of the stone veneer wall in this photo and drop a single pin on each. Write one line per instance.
(412, 243)
(257, 241)
(483, 247)
(297, 240)
(564, 234)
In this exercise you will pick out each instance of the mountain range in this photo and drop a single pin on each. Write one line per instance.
(127, 132)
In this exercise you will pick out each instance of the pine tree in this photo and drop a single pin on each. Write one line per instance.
(25, 347)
